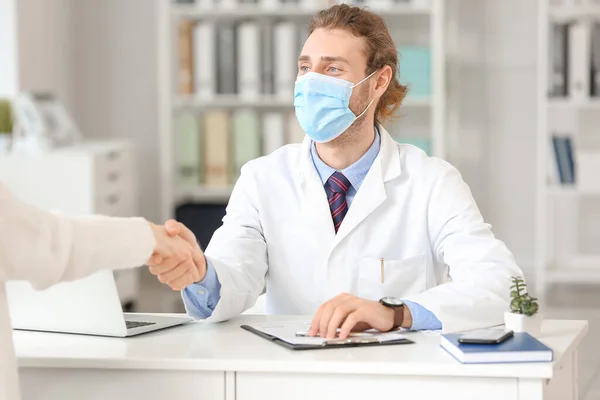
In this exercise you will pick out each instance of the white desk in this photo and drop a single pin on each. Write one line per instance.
(223, 361)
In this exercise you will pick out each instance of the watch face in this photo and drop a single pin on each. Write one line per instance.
(392, 301)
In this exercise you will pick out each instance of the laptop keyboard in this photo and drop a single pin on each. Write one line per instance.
(137, 324)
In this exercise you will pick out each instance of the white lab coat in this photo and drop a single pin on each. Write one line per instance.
(45, 249)
(412, 210)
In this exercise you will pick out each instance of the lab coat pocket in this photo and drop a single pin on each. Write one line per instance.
(399, 278)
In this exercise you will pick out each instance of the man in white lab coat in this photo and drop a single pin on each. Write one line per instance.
(44, 248)
(350, 226)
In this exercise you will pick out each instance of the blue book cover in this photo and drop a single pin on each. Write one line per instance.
(522, 347)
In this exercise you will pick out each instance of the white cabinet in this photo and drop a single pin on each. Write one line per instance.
(90, 178)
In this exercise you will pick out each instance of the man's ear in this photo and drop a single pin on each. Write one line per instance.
(382, 80)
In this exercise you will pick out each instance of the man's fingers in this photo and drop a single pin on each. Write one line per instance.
(180, 270)
(314, 324)
(337, 319)
(172, 227)
(188, 236)
(182, 282)
(351, 320)
(325, 318)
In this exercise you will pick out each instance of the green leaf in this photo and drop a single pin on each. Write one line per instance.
(514, 294)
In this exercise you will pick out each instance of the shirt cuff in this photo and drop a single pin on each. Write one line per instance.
(422, 318)
(200, 299)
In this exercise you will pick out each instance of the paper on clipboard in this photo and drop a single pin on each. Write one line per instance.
(286, 331)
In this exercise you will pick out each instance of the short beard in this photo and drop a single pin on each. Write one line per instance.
(352, 134)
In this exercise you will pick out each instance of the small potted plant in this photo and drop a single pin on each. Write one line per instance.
(6, 125)
(523, 315)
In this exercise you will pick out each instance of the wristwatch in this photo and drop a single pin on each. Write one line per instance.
(398, 306)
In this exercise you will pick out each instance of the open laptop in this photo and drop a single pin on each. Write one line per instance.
(87, 306)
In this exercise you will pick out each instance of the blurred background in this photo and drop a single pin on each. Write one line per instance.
(150, 107)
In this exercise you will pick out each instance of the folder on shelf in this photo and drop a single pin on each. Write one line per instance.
(286, 66)
(185, 41)
(246, 140)
(216, 148)
(188, 147)
(273, 132)
(415, 70)
(595, 79)
(579, 61)
(248, 53)
(267, 65)
(295, 133)
(558, 60)
(292, 335)
(226, 59)
(205, 71)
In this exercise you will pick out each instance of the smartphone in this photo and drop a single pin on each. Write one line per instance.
(485, 336)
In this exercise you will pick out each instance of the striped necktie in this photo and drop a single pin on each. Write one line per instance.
(336, 187)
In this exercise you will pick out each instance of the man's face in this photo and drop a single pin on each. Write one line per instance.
(338, 53)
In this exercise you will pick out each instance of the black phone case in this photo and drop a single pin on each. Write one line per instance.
(507, 336)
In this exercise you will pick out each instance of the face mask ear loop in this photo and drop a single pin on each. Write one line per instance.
(365, 110)
(372, 73)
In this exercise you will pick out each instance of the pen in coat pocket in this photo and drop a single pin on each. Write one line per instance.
(382, 271)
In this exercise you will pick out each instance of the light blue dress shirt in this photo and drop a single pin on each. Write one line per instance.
(202, 298)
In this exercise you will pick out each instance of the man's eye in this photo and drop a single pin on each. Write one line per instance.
(333, 69)
(304, 68)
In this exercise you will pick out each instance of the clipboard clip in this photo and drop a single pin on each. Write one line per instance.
(352, 340)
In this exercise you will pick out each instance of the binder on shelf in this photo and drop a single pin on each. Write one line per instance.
(285, 59)
(415, 70)
(205, 71)
(595, 78)
(579, 60)
(216, 148)
(186, 55)
(226, 59)
(273, 132)
(188, 148)
(267, 65)
(295, 134)
(558, 60)
(246, 139)
(563, 155)
(248, 58)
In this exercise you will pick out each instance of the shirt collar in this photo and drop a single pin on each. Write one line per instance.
(356, 172)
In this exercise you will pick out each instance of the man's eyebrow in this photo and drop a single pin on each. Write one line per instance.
(325, 58)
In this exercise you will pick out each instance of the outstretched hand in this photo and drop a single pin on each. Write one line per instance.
(176, 272)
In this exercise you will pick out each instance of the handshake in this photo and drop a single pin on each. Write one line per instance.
(177, 259)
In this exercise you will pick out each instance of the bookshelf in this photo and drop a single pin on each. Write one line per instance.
(418, 23)
(569, 108)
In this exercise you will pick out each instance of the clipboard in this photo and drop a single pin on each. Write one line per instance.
(330, 344)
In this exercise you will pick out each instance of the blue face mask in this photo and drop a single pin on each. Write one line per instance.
(322, 105)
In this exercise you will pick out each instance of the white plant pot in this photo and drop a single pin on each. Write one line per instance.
(523, 323)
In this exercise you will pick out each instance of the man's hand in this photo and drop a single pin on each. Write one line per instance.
(179, 275)
(351, 313)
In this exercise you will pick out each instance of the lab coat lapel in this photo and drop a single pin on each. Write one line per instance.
(372, 191)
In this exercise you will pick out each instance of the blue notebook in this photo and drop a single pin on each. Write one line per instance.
(522, 347)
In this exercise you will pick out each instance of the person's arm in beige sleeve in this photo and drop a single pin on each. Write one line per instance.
(45, 248)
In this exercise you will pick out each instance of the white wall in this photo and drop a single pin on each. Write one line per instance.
(116, 82)
(8, 49)
(41, 32)
(495, 147)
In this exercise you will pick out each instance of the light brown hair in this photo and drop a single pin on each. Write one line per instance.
(379, 48)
